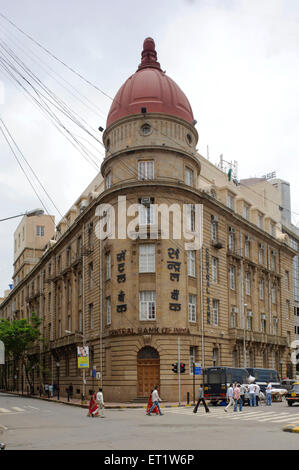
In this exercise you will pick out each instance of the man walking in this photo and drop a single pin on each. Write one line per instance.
(257, 393)
(100, 402)
(201, 398)
(252, 395)
(237, 398)
(155, 399)
(268, 394)
(229, 397)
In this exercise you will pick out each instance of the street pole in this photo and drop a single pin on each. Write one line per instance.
(179, 368)
(193, 383)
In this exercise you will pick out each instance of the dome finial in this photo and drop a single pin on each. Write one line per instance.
(149, 55)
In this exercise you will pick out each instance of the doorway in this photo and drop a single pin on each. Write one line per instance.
(148, 371)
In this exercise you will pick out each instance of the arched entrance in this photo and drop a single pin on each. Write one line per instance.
(148, 371)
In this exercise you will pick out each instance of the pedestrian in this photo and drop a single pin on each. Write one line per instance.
(268, 394)
(150, 404)
(229, 397)
(100, 402)
(93, 409)
(242, 393)
(201, 398)
(257, 393)
(155, 399)
(252, 400)
(237, 398)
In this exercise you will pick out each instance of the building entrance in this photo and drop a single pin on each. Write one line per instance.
(148, 371)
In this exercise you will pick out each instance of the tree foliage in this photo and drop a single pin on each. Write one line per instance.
(19, 335)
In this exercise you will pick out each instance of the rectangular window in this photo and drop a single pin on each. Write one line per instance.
(190, 217)
(231, 239)
(260, 221)
(147, 261)
(146, 211)
(90, 315)
(214, 231)
(189, 177)
(40, 230)
(273, 261)
(108, 266)
(108, 310)
(247, 248)
(261, 253)
(232, 278)
(108, 180)
(192, 308)
(146, 170)
(230, 201)
(274, 294)
(261, 289)
(247, 283)
(91, 277)
(263, 323)
(147, 305)
(191, 263)
(215, 312)
(214, 269)
(275, 323)
(246, 212)
(287, 309)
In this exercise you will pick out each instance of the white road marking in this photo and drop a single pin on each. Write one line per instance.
(16, 408)
(4, 410)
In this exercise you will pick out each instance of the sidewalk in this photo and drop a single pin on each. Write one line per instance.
(77, 402)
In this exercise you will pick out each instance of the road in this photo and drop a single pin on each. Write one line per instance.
(28, 423)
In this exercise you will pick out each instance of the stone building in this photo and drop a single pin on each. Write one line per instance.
(114, 279)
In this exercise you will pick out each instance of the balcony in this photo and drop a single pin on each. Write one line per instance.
(74, 338)
(256, 337)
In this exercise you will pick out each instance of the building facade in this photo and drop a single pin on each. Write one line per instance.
(123, 277)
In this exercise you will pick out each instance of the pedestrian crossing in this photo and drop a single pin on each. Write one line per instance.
(247, 414)
(12, 410)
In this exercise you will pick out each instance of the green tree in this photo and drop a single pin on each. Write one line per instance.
(18, 337)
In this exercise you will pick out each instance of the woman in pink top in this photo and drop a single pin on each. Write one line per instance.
(237, 398)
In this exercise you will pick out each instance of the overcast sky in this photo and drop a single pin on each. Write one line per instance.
(236, 60)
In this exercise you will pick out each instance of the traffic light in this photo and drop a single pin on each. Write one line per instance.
(175, 368)
(182, 367)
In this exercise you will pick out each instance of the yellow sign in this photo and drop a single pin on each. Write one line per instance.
(83, 357)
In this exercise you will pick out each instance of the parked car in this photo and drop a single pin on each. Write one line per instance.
(293, 395)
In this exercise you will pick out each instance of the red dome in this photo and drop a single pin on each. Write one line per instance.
(150, 88)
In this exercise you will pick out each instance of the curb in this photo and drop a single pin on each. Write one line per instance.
(291, 428)
(85, 405)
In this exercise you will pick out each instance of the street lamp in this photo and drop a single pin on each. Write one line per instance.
(32, 213)
(244, 336)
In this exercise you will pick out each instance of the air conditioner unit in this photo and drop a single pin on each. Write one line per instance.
(145, 200)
